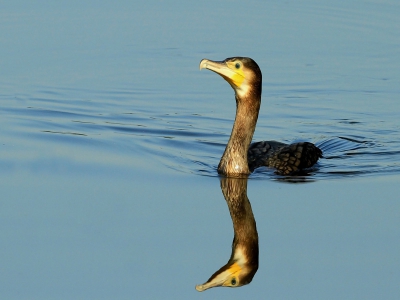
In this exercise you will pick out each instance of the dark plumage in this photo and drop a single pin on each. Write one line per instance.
(286, 159)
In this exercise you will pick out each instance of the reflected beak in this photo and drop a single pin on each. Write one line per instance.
(233, 77)
(209, 284)
(222, 277)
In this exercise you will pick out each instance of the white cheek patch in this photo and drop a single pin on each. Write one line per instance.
(243, 90)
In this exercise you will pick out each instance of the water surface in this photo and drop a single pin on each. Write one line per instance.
(111, 137)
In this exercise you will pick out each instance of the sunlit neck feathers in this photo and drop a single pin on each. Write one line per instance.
(244, 75)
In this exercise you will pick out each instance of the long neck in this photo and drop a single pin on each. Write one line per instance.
(234, 159)
(244, 224)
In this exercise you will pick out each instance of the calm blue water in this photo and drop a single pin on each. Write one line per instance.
(111, 137)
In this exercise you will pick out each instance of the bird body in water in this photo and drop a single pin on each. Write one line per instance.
(240, 156)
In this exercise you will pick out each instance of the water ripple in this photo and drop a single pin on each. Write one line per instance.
(185, 141)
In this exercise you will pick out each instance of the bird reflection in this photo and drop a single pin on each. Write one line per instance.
(243, 263)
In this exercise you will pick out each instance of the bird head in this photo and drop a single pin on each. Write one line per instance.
(242, 73)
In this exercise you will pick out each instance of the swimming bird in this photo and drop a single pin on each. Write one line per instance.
(240, 156)
(243, 263)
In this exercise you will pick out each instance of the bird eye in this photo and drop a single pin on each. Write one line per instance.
(237, 66)
(233, 281)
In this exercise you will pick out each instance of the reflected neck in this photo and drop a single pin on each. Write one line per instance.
(245, 241)
(234, 160)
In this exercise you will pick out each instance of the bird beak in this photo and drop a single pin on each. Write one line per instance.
(225, 69)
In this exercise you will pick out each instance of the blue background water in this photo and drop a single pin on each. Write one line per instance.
(108, 129)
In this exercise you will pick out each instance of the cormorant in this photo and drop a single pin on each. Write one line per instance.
(241, 158)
